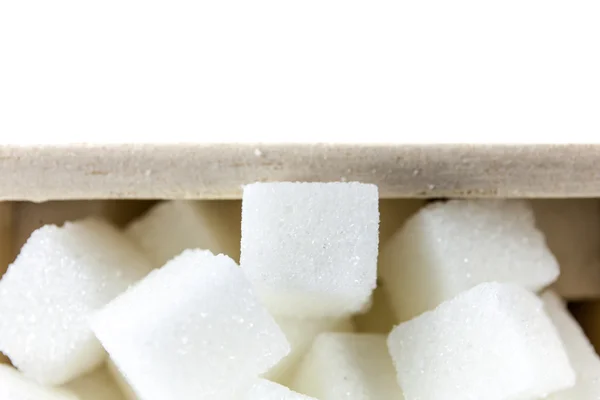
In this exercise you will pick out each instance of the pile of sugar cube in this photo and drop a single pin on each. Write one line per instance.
(307, 291)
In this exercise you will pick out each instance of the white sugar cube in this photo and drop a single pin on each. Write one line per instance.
(572, 230)
(300, 333)
(449, 247)
(118, 377)
(310, 249)
(61, 276)
(15, 386)
(192, 329)
(263, 389)
(28, 216)
(582, 356)
(492, 342)
(173, 226)
(97, 385)
(578, 347)
(348, 366)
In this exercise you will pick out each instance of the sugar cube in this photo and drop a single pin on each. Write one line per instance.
(62, 275)
(173, 226)
(300, 333)
(582, 356)
(97, 385)
(492, 342)
(118, 377)
(578, 347)
(348, 365)
(262, 389)
(310, 249)
(572, 230)
(15, 386)
(449, 247)
(192, 329)
(31, 216)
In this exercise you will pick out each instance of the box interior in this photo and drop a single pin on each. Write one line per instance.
(19, 218)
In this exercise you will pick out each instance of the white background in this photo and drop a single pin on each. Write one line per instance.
(299, 71)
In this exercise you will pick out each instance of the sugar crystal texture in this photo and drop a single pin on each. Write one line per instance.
(97, 385)
(63, 275)
(492, 342)
(300, 333)
(572, 230)
(15, 386)
(449, 247)
(262, 389)
(310, 249)
(348, 366)
(192, 329)
(582, 356)
(173, 226)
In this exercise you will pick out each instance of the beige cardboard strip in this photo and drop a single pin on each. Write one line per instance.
(199, 170)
